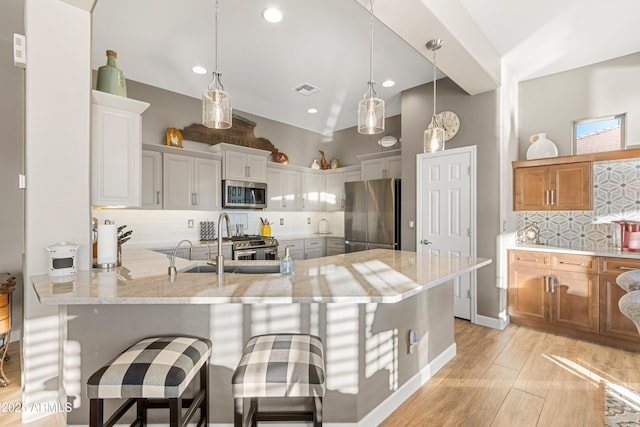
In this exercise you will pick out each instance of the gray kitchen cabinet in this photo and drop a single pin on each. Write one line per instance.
(151, 193)
(312, 190)
(314, 247)
(334, 195)
(296, 248)
(335, 246)
(191, 182)
(283, 188)
(116, 124)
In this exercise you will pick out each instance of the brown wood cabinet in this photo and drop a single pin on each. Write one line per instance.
(552, 187)
(572, 294)
(612, 322)
(554, 290)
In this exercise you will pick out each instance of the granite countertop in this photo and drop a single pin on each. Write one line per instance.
(379, 275)
(579, 250)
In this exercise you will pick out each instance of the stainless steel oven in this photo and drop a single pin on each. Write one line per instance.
(244, 195)
(254, 248)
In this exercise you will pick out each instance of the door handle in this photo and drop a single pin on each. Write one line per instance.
(527, 259)
(546, 283)
(425, 242)
(626, 268)
(552, 281)
(553, 196)
(571, 263)
(158, 197)
(546, 197)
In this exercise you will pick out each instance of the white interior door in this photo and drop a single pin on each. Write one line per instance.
(446, 215)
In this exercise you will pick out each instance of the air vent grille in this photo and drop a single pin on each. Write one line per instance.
(306, 89)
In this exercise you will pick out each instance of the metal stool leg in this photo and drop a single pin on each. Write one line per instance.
(4, 381)
(317, 413)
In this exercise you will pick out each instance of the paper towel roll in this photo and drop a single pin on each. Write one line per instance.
(107, 243)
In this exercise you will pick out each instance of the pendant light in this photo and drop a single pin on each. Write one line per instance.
(371, 108)
(216, 103)
(434, 135)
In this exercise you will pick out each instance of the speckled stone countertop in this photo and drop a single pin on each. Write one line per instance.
(580, 250)
(380, 275)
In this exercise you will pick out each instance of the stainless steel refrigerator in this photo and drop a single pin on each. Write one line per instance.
(372, 215)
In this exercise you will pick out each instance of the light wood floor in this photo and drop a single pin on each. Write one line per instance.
(519, 377)
(12, 394)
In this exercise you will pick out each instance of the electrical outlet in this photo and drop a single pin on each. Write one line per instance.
(190, 223)
(308, 220)
(281, 221)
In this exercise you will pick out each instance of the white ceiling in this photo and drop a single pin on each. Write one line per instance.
(326, 43)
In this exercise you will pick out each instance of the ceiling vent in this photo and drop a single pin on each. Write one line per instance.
(306, 89)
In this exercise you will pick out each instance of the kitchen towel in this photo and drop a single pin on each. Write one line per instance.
(107, 243)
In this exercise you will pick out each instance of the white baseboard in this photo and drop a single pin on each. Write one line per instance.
(382, 411)
(491, 322)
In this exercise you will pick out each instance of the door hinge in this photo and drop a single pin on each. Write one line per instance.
(468, 232)
(469, 293)
(469, 170)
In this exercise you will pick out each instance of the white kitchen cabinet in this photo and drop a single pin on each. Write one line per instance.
(312, 191)
(386, 167)
(116, 123)
(334, 195)
(191, 182)
(242, 163)
(283, 189)
(151, 196)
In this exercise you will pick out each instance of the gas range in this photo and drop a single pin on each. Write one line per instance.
(254, 247)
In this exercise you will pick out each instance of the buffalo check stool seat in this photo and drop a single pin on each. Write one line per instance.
(153, 373)
(279, 366)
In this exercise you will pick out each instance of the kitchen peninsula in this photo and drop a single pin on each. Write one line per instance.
(363, 305)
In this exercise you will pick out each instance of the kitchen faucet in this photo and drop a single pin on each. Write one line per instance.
(220, 257)
(172, 258)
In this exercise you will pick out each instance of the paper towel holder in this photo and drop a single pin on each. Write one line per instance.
(96, 264)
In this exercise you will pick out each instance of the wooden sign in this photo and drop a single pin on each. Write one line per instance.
(240, 133)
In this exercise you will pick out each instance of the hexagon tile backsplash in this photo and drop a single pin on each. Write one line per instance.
(616, 195)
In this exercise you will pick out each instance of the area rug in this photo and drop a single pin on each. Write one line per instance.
(621, 407)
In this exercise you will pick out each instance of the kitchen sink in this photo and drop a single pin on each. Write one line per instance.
(242, 267)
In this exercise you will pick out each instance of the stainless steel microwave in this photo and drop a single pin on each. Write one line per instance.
(244, 195)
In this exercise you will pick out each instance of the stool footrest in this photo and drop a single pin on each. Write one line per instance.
(284, 416)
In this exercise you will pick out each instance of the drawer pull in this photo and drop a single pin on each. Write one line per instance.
(527, 259)
(570, 263)
(627, 268)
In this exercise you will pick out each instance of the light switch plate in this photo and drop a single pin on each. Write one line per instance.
(19, 50)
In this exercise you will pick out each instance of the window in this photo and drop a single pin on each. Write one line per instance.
(598, 135)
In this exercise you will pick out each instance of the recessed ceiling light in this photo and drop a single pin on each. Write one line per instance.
(272, 15)
(312, 110)
(199, 70)
(388, 83)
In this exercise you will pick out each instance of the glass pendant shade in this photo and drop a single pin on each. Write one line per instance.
(433, 138)
(216, 106)
(371, 115)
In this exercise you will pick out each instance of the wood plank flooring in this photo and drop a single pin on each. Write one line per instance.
(519, 377)
(516, 377)
(12, 394)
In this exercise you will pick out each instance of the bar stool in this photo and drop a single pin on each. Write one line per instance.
(153, 373)
(279, 365)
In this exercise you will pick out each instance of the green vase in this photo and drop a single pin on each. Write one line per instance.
(110, 77)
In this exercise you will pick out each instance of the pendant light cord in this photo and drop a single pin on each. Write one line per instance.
(434, 86)
(372, 91)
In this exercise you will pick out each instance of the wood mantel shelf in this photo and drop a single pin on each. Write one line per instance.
(592, 157)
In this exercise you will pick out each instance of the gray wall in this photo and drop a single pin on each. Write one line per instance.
(550, 104)
(366, 344)
(171, 109)
(11, 152)
(479, 126)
